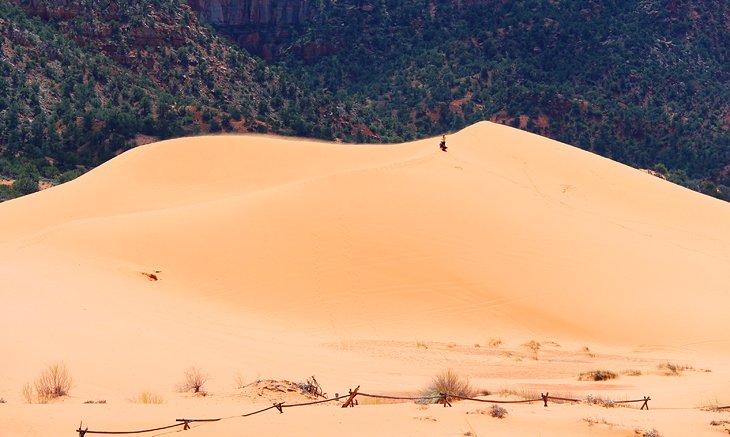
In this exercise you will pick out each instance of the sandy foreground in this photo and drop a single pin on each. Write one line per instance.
(256, 257)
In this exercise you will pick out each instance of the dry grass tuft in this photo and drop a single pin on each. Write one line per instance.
(597, 400)
(495, 342)
(450, 382)
(28, 393)
(148, 397)
(534, 346)
(632, 372)
(54, 382)
(597, 375)
(240, 382)
(595, 421)
(421, 345)
(673, 369)
(652, 433)
(521, 394)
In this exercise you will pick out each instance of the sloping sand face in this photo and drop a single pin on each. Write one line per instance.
(257, 254)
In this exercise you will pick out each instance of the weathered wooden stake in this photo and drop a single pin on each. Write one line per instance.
(445, 399)
(278, 407)
(350, 401)
(545, 398)
(186, 425)
(646, 403)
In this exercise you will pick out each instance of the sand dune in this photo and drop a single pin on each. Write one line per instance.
(269, 251)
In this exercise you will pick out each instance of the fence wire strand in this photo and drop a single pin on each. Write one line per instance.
(443, 397)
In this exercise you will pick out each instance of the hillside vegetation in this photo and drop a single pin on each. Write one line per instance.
(85, 80)
(646, 83)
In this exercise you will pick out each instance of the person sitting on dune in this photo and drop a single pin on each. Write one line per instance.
(442, 144)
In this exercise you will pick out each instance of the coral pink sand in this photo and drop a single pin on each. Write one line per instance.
(369, 265)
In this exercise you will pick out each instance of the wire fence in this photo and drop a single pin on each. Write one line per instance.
(351, 401)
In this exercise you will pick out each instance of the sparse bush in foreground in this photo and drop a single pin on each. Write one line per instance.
(450, 382)
(652, 433)
(148, 397)
(597, 375)
(498, 412)
(54, 382)
(194, 381)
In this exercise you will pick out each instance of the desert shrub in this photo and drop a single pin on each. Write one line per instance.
(28, 393)
(194, 381)
(652, 433)
(597, 375)
(534, 346)
(2, 400)
(632, 372)
(495, 342)
(673, 369)
(597, 400)
(312, 388)
(498, 412)
(53, 382)
(240, 382)
(148, 397)
(720, 422)
(450, 382)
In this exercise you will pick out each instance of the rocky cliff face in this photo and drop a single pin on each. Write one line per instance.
(263, 27)
(240, 13)
(155, 31)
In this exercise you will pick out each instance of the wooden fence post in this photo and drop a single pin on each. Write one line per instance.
(349, 401)
(646, 403)
(445, 399)
(545, 398)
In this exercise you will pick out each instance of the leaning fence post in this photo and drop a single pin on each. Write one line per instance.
(82, 432)
(646, 403)
(350, 401)
(445, 399)
(278, 407)
(545, 398)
